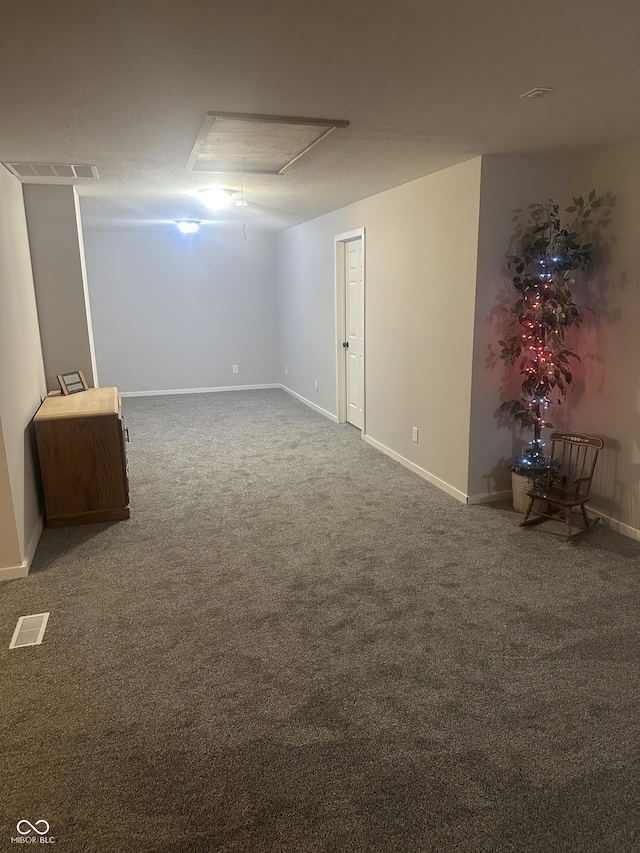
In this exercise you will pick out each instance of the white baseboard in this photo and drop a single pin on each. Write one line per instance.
(490, 497)
(311, 405)
(618, 526)
(33, 544)
(426, 475)
(196, 390)
(613, 523)
(9, 573)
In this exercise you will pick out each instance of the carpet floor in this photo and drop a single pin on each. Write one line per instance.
(296, 644)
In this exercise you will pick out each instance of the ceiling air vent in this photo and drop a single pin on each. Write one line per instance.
(535, 93)
(256, 144)
(52, 170)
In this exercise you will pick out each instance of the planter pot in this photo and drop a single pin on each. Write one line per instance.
(520, 485)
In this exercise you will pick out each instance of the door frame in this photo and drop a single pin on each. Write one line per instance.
(339, 242)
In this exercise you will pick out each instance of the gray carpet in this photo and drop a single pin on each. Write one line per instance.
(295, 644)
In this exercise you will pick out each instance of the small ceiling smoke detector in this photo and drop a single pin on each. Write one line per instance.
(538, 92)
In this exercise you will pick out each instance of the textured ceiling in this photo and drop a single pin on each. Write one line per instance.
(126, 85)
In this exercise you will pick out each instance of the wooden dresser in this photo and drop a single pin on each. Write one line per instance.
(83, 461)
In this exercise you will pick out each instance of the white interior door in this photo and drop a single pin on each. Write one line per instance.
(354, 328)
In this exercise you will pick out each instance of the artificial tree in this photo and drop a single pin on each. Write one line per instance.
(543, 257)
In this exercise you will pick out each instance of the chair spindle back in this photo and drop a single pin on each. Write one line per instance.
(573, 461)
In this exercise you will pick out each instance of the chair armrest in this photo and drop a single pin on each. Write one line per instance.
(578, 482)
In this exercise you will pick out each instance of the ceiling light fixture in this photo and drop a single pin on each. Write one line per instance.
(188, 226)
(216, 198)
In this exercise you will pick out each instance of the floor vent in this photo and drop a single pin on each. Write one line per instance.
(52, 170)
(29, 630)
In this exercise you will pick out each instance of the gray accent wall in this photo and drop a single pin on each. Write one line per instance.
(55, 239)
(508, 183)
(174, 311)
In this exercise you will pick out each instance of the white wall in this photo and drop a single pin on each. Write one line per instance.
(55, 240)
(173, 311)
(421, 251)
(22, 383)
(607, 397)
(10, 551)
(508, 183)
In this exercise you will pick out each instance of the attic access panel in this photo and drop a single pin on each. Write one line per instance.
(256, 144)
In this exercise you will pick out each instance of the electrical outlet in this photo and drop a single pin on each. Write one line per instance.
(415, 434)
(235, 368)
(316, 384)
(286, 371)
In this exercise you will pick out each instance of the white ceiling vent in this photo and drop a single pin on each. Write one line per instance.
(52, 170)
(535, 93)
(29, 630)
(256, 144)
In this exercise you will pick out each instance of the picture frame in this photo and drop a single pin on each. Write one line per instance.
(73, 382)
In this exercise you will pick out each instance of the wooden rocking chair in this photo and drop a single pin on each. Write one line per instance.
(567, 481)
